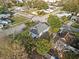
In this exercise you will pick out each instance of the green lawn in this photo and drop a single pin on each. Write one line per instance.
(75, 25)
(18, 19)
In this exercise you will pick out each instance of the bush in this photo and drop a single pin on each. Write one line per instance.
(1, 9)
(75, 25)
(41, 12)
(37, 4)
(54, 22)
(42, 5)
(43, 46)
(64, 19)
(20, 4)
(9, 5)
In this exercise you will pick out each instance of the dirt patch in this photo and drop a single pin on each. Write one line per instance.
(11, 50)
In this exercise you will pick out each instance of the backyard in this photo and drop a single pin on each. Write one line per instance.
(18, 19)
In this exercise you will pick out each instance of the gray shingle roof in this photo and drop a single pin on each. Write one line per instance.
(40, 27)
(4, 15)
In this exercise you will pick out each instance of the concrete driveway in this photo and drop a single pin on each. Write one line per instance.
(14, 30)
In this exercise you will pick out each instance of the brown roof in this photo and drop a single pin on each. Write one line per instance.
(35, 55)
(69, 38)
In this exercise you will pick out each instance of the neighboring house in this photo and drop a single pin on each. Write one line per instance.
(21, 1)
(51, 0)
(18, 9)
(50, 57)
(67, 42)
(61, 14)
(39, 29)
(4, 15)
(73, 18)
(4, 20)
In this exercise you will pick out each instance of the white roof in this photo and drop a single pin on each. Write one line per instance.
(4, 15)
(51, 0)
(52, 57)
(19, 1)
(63, 14)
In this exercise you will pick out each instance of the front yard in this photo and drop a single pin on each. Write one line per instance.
(75, 25)
(18, 19)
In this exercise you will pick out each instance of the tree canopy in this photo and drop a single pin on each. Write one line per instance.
(64, 19)
(43, 46)
(54, 22)
(71, 6)
(39, 4)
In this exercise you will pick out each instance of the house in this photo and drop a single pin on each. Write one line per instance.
(73, 18)
(61, 14)
(39, 29)
(21, 1)
(50, 57)
(4, 15)
(4, 20)
(18, 9)
(51, 0)
(67, 42)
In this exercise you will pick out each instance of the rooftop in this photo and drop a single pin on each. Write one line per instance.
(4, 15)
(40, 27)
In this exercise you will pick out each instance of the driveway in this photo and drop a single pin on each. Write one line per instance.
(14, 30)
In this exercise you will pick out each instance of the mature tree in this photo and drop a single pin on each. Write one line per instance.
(71, 6)
(54, 22)
(43, 46)
(64, 19)
(39, 4)
(42, 5)
(1, 9)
